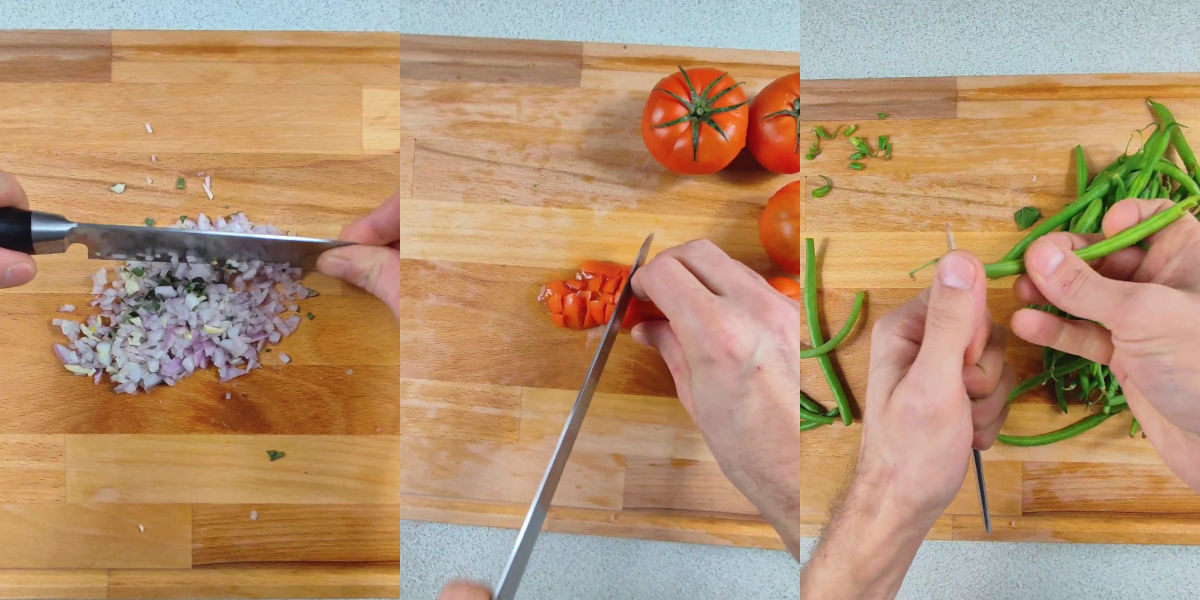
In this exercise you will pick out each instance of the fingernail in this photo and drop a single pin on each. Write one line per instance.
(334, 266)
(1047, 258)
(956, 272)
(17, 274)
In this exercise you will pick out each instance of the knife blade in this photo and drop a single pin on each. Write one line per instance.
(35, 232)
(536, 516)
(975, 454)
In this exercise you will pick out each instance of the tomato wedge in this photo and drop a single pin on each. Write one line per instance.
(590, 299)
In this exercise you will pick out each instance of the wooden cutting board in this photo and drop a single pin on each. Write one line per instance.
(515, 161)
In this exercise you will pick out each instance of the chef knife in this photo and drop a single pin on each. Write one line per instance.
(35, 232)
(536, 517)
(979, 482)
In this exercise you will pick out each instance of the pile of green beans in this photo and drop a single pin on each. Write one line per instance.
(813, 414)
(1147, 173)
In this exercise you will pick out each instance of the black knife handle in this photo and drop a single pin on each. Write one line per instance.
(16, 229)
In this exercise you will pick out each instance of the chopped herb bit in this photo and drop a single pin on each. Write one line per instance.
(1026, 216)
(149, 222)
(182, 219)
(311, 316)
(138, 271)
(535, 186)
(180, 183)
(275, 455)
(881, 116)
(312, 293)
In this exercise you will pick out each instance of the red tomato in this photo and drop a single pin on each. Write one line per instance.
(694, 121)
(774, 131)
(788, 287)
(590, 299)
(781, 227)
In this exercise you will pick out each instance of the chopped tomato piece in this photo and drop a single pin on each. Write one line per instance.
(590, 298)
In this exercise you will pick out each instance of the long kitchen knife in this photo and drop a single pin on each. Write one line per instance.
(44, 233)
(536, 517)
(979, 482)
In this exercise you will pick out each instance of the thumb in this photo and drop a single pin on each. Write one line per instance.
(462, 590)
(375, 269)
(1072, 285)
(658, 335)
(954, 316)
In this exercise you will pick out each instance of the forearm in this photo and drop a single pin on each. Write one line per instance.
(865, 551)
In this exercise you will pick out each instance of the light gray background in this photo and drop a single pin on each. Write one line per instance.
(847, 39)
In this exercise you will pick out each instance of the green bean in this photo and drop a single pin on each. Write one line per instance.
(809, 425)
(857, 156)
(857, 166)
(814, 150)
(1081, 177)
(1089, 220)
(808, 415)
(821, 191)
(1047, 375)
(814, 330)
(822, 133)
(1178, 140)
(809, 404)
(1134, 427)
(850, 130)
(1060, 397)
(1107, 246)
(828, 346)
(1153, 189)
(1058, 435)
(1155, 147)
(1118, 400)
(1099, 187)
(1170, 170)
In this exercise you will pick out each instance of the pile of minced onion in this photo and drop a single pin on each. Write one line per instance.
(159, 322)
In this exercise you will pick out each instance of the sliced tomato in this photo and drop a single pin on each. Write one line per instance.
(590, 298)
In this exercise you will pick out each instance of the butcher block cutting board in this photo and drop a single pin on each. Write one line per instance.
(514, 161)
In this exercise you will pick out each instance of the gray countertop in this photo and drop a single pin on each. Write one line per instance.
(846, 39)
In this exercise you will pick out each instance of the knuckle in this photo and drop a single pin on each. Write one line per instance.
(1075, 282)
(732, 344)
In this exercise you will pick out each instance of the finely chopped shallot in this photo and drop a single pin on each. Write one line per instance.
(160, 322)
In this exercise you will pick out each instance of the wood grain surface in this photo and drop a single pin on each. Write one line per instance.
(514, 161)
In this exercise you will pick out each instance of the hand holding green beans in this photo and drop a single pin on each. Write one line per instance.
(937, 386)
(1147, 300)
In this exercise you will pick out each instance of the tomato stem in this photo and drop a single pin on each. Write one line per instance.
(701, 108)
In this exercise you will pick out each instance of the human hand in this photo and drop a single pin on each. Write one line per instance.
(373, 264)
(937, 386)
(16, 268)
(732, 344)
(1145, 300)
(462, 590)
